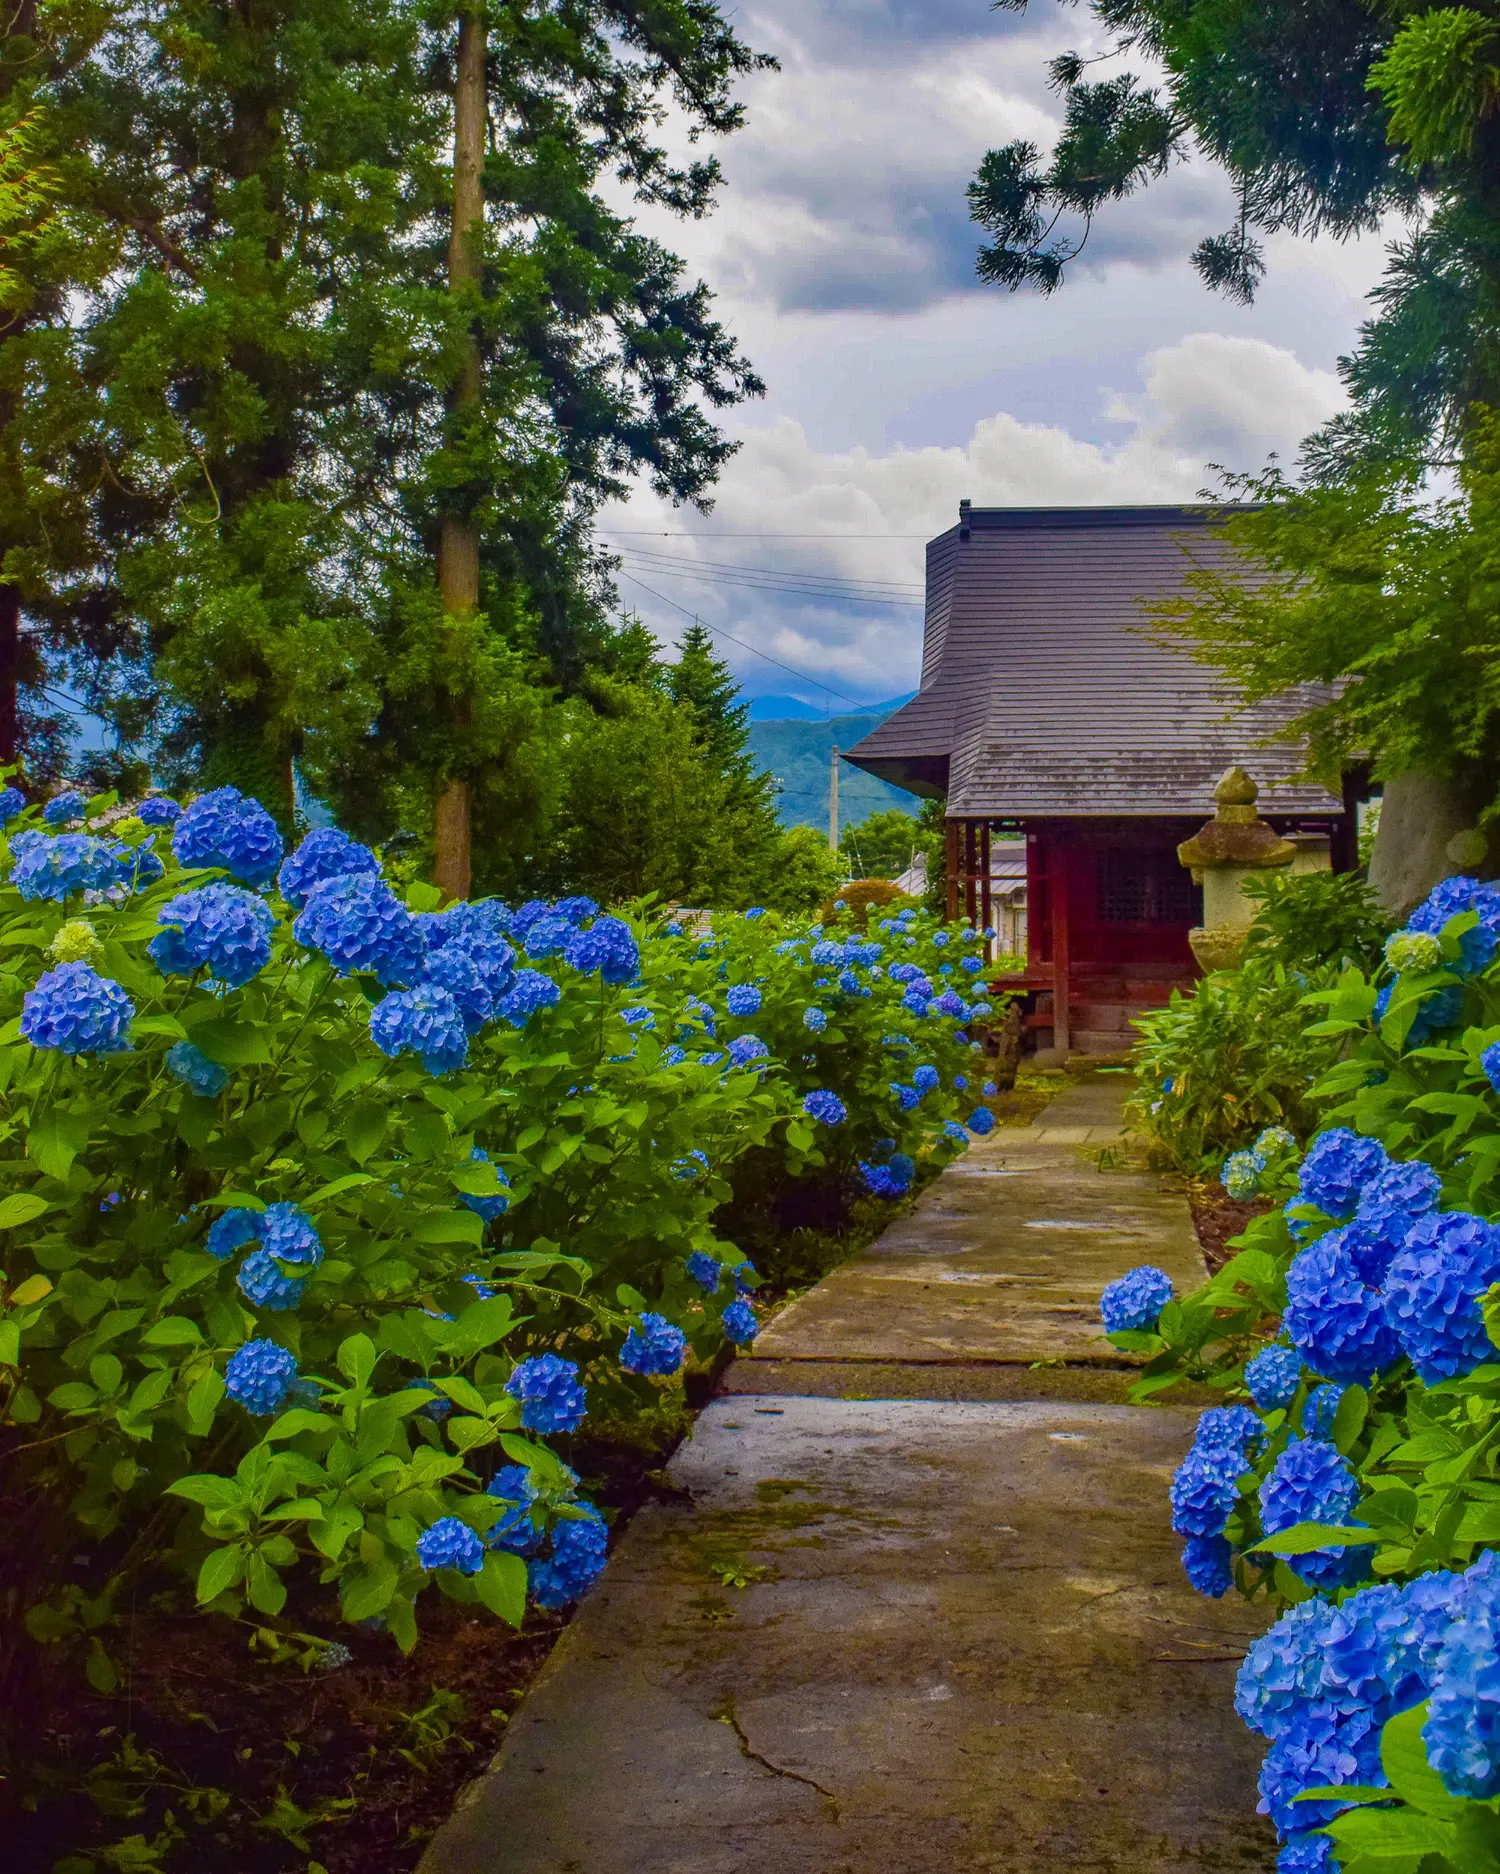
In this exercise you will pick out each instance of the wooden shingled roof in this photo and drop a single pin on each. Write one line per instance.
(1043, 695)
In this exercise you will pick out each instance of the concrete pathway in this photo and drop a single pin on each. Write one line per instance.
(915, 1634)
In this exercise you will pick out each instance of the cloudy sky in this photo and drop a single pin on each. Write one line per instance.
(843, 259)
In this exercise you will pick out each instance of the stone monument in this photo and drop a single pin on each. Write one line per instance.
(1223, 856)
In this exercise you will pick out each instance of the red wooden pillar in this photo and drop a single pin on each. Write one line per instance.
(1061, 984)
(951, 865)
(985, 913)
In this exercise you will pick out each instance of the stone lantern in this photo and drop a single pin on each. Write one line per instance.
(1233, 848)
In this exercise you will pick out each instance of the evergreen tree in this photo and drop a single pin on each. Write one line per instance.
(1327, 115)
(881, 845)
(702, 684)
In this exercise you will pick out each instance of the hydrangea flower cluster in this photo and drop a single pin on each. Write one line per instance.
(607, 947)
(63, 807)
(158, 810)
(815, 1020)
(739, 1323)
(325, 853)
(60, 868)
(259, 1376)
(1273, 1376)
(74, 1010)
(550, 1396)
(744, 999)
(1452, 898)
(425, 1021)
(530, 991)
(824, 1107)
(1413, 953)
(1335, 1321)
(12, 802)
(487, 1207)
(450, 1543)
(1434, 1289)
(227, 830)
(1241, 1174)
(1338, 1165)
(653, 1345)
(577, 1559)
(359, 924)
(196, 1071)
(220, 928)
(1312, 1483)
(1135, 1300)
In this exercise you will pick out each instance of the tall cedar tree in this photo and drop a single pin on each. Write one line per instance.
(59, 236)
(1327, 115)
(360, 412)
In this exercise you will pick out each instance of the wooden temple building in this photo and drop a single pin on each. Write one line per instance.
(1048, 712)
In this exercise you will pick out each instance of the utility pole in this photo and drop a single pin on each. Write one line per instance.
(833, 799)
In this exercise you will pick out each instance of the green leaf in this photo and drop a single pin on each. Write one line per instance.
(366, 1591)
(421, 896)
(203, 1401)
(55, 1139)
(1403, 1757)
(221, 1569)
(99, 1669)
(356, 1358)
(232, 1200)
(1349, 1419)
(1390, 1832)
(1306, 1537)
(448, 1226)
(214, 1493)
(265, 1588)
(365, 1128)
(351, 1181)
(177, 1330)
(21, 1207)
(501, 1586)
(232, 1043)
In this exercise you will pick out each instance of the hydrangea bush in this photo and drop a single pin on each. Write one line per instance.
(1353, 1476)
(325, 1209)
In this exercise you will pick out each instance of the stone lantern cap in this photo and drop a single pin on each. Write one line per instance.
(1236, 835)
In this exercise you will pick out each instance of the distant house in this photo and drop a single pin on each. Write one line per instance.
(1049, 713)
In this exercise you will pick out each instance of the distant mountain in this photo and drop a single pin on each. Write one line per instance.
(798, 754)
(797, 709)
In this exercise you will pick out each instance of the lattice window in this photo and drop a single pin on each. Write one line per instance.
(1146, 888)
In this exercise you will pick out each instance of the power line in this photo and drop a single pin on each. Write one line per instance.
(775, 572)
(789, 591)
(719, 632)
(729, 533)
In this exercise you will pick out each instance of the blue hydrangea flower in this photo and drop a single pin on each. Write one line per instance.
(981, 1121)
(755, 911)
(710, 1060)
(907, 1097)
(196, 1071)
(989, 1089)
(608, 946)
(546, 936)
(226, 829)
(1305, 1853)
(263, 1283)
(745, 1049)
(914, 1001)
(487, 1207)
(1240, 1176)
(12, 802)
(815, 1020)
(1324, 1742)
(220, 928)
(359, 923)
(1227, 1428)
(1335, 1321)
(290, 1234)
(827, 954)
(1311, 1483)
(972, 964)
(451, 1544)
(953, 1130)
(158, 810)
(232, 1230)
(638, 1017)
(1208, 1563)
(551, 1398)
(1441, 1008)
(530, 991)
(63, 807)
(690, 1167)
(259, 1376)
(744, 999)
(1136, 1299)
(1320, 1409)
(673, 1056)
(576, 909)
(577, 1560)
(1338, 1166)
(707, 1271)
(1388, 1207)
(1272, 1377)
(826, 1108)
(325, 853)
(1205, 1489)
(654, 1345)
(60, 868)
(454, 969)
(1462, 1732)
(516, 1532)
(1283, 1669)
(740, 1324)
(1434, 1289)
(425, 1021)
(1477, 947)
(522, 920)
(850, 984)
(925, 1079)
(74, 1010)
(138, 866)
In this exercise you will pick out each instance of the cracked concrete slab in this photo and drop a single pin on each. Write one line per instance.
(961, 1644)
(1003, 1258)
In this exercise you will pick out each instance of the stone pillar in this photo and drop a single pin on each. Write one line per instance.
(1234, 847)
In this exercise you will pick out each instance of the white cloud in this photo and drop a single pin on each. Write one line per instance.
(863, 514)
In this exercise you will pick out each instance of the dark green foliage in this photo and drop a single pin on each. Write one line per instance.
(1317, 919)
(1327, 115)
